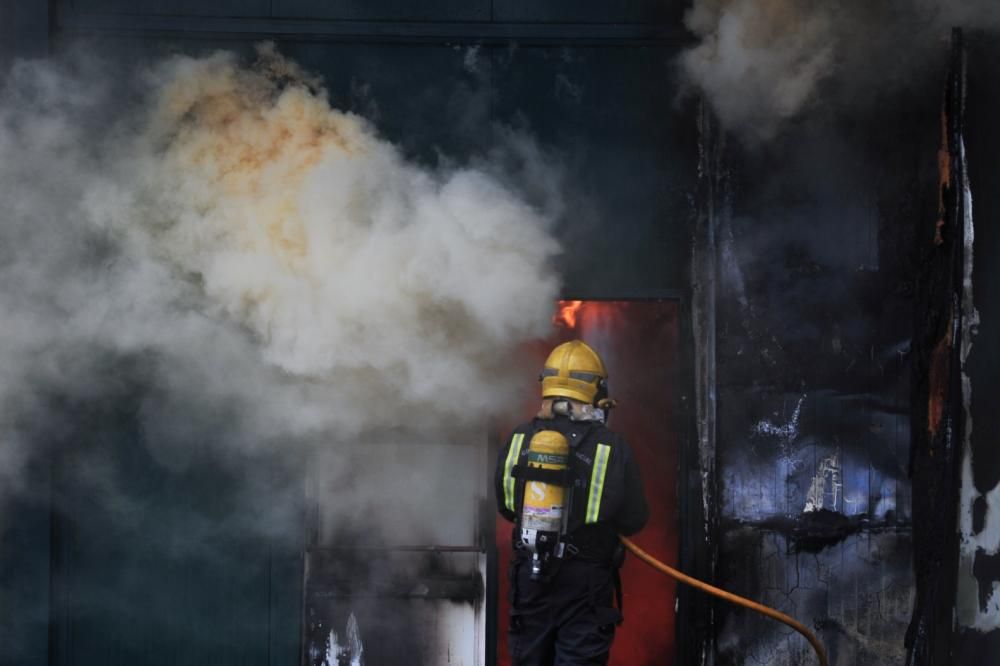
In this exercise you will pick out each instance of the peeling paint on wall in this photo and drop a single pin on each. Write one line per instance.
(826, 488)
(977, 603)
(848, 455)
(351, 653)
(977, 592)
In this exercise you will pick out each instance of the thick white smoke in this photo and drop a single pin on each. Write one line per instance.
(263, 252)
(760, 63)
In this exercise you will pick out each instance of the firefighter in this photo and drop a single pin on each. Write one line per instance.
(570, 486)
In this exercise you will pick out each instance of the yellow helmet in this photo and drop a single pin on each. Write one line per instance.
(574, 370)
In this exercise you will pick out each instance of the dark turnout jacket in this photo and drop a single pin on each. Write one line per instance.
(606, 495)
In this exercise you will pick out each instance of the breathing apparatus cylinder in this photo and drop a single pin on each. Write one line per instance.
(544, 512)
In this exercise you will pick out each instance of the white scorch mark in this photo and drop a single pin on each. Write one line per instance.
(353, 651)
(789, 431)
(826, 483)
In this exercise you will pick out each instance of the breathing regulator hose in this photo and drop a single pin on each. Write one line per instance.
(730, 597)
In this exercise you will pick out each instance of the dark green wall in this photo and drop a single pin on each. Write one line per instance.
(148, 562)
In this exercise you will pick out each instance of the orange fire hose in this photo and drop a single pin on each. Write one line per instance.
(729, 596)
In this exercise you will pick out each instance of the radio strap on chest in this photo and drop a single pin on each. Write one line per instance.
(558, 477)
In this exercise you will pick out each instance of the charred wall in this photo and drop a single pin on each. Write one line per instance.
(840, 271)
(944, 317)
(816, 267)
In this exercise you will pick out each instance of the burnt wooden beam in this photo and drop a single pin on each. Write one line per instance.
(698, 482)
(938, 394)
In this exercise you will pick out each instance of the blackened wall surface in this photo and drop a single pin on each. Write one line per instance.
(942, 321)
(816, 268)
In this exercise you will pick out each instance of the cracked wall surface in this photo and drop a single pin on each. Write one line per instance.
(861, 589)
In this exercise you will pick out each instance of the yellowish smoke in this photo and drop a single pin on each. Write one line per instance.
(347, 264)
(282, 269)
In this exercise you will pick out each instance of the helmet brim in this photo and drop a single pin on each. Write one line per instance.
(566, 392)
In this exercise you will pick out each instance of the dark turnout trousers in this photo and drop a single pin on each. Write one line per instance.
(567, 621)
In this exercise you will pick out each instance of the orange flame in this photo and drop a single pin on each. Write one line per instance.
(567, 313)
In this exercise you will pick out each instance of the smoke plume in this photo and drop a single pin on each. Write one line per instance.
(272, 262)
(760, 63)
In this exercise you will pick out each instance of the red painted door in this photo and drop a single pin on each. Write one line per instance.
(638, 342)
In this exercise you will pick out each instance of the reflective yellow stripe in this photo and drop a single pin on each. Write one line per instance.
(513, 453)
(597, 483)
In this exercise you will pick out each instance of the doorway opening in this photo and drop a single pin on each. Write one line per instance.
(638, 340)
